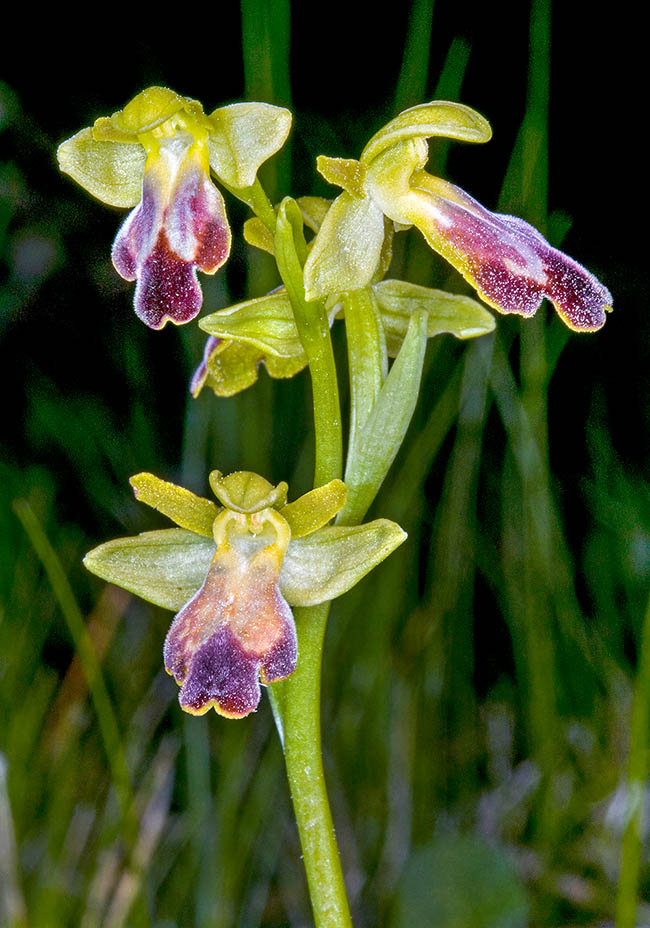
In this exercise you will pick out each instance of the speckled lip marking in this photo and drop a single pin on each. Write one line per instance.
(509, 263)
(236, 630)
(179, 225)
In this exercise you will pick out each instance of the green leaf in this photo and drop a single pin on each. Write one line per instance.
(165, 567)
(243, 137)
(327, 563)
(315, 509)
(346, 252)
(177, 503)
(439, 118)
(110, 171)
(450, 313)
(267, 322)
(381, 437)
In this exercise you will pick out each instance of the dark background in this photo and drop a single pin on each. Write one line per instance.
(478, 690)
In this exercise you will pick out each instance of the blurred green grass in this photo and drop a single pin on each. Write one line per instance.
(477, 690)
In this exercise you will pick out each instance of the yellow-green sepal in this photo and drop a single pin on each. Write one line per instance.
(168, 567)
(242, 137)
(343, 172)
(325, 564)
(233, 366)
(266, 322)
(149, 109)
(165, 567)
(257, 234)
(347, 250)
(310, 512)
(314, 210)
(244, 491)
(438, 118)
(451, 313)
(180, 505)
(111, 171)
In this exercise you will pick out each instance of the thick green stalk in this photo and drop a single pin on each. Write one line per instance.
(296, 701)
(314, 331)
(637, 773)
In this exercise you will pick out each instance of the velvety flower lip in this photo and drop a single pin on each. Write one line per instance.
(178, 226)
(510, 264)
(238, 629)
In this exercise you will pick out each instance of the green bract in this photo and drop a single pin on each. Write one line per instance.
(450, 313)
(264, 331)
(313, 210)
(244, 336)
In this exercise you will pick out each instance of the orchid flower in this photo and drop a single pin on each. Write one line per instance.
(510, 265)
(231, 573)
(155, 155)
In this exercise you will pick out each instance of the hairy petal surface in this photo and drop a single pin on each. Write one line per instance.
(237, 629)
(179, 225)
(507, 261)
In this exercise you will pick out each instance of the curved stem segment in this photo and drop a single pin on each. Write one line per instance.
(314, 331)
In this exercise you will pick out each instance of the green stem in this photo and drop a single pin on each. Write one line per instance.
(627, 897)
(296, 701)
(297, 708)
(255, 197)
(314, 331)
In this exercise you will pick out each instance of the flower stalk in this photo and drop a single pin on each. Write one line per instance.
(296, 701)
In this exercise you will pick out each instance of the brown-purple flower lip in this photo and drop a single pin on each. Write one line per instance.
(237, 629)
(179, 226)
